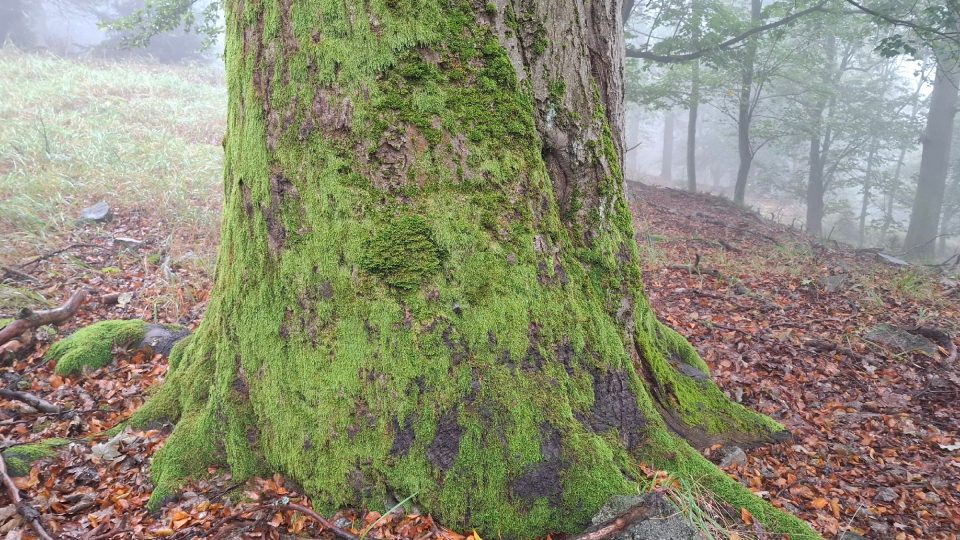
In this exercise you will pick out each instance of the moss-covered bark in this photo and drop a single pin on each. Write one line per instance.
(428, 282)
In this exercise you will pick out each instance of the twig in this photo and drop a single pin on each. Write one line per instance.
(45, 256)
(29, 513)
(37, 403)
(618, 524)
(17, 274)
(346, 535)
(40, 318)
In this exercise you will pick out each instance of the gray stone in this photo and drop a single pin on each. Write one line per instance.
(98, 213)
(161, 338)
(834, 283)
(900, 340)
(665, 521)
(886, 495)
(847, 535)
(733, 455)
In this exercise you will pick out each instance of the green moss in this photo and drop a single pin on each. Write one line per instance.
(92, 347)
(20, 459)
(403, 254)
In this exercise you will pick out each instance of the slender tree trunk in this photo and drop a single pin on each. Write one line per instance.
(666, 161)
(696, 21)
(815, 187)
(692, 129)
(428, 282)
(820, 141)
(951, 202)
(745, 109)
(865, 201)
(890, 194)
(934, 162)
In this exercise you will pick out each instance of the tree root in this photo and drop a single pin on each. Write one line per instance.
(33, 320)
(616, 525)
(29, 513)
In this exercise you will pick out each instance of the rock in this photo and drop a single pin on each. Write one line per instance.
(161, 338)
(733, 455)
(98, 213)
(886, 495)
(901, 341)
(665, 521)
(847, 535)
(834, 283)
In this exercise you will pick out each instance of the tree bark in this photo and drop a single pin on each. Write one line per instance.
(666, 161)
(934, 162)
(865, 200)
(820, 141)
(815, 187)
(428, 281)
(745, 109)
(695, 33)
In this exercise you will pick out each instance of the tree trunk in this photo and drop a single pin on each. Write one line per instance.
(745, 109)
(820, 141)
(865, 200)
(695, 32)
(428, 282)
(666, 161)
(815, 187)
(934, 163)
(692, 129)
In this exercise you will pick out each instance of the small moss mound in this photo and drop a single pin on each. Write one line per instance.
(92, 347)
(19, 459)
(403, 254)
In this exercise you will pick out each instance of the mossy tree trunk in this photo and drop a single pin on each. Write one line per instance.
(428, 282)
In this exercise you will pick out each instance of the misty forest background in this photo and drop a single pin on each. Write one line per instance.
(819, 122)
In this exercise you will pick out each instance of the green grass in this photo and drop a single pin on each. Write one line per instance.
(140, 136)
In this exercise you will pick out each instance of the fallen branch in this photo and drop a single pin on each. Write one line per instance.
(17, 274)
(29, 513)
(45, 256)
(826, 346)
(611, 528)
(37, 403)
(40, 318)
(340, 533)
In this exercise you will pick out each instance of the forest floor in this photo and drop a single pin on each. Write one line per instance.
(779, 318)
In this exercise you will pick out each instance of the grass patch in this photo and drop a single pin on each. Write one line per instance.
(140, 136)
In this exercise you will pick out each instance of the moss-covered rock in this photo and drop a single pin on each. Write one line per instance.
(20, 459)
(92, 347)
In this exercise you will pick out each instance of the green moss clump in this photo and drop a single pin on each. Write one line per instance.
(19, 459)
(92, 347)
(403, 254)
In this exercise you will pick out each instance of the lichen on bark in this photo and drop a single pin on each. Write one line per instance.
(427, 284)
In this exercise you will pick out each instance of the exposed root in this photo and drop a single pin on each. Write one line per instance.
(29, 513)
